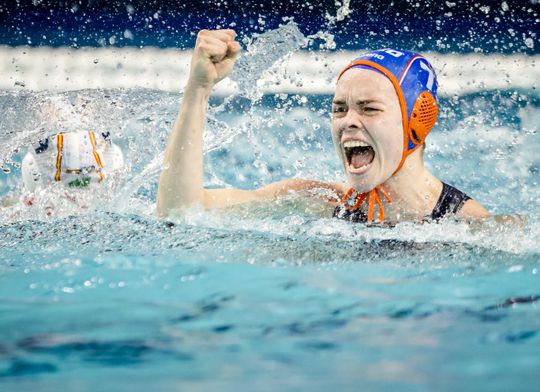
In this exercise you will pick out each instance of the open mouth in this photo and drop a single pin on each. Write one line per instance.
(359, 155)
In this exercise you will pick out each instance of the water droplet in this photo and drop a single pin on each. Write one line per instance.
(128, 34)
(515, 268)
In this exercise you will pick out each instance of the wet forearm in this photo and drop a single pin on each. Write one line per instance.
(181, 181)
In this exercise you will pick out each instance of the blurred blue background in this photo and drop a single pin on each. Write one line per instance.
(445, 26)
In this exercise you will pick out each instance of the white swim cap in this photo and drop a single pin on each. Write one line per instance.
(77, 159)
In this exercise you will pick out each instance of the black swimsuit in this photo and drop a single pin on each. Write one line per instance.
(450, 202)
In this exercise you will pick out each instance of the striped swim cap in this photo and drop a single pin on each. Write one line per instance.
(76, 159)
(415, 83)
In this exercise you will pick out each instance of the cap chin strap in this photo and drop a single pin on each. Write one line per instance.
(354, 200)
(402, 105)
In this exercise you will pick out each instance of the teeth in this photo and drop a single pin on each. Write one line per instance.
(354, 143)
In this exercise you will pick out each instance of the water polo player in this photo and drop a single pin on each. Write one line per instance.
(73, 160)
(384, 107)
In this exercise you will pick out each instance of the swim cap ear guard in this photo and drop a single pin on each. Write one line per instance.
(415, 83)
(423, 117)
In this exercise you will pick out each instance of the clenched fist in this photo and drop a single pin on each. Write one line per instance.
(213, 57)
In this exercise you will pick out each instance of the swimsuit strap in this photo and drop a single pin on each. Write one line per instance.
(450, 201)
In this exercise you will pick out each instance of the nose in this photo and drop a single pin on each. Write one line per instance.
(351, 121)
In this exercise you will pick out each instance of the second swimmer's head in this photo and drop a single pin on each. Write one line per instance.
(74, 159)
(384, 107)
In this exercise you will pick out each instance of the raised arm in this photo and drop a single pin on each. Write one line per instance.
(181, 181)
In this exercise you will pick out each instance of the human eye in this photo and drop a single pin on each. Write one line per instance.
(371, 109)
(336, 109)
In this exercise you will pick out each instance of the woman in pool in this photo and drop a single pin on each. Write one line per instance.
(384, 107)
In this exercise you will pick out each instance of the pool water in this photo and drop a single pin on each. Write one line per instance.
(280, 297)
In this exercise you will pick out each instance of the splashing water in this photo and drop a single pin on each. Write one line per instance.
(262, 53)
(40, 115)
(341, 14)
(305, 151)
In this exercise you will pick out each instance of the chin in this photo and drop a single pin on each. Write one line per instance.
(361, 184)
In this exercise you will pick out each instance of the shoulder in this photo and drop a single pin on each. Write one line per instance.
(473, 210)
(453, 201)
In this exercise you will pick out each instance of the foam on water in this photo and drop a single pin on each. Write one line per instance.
(301, 146)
